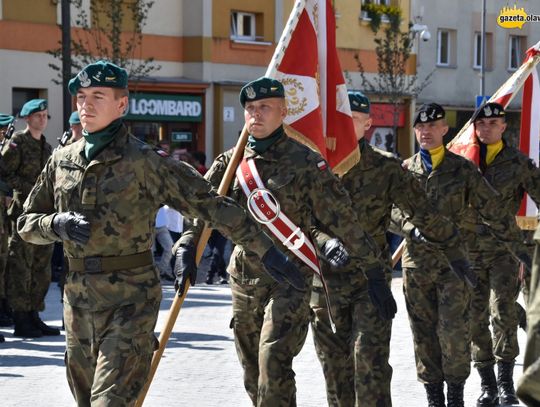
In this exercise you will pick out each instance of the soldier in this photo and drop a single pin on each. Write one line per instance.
(28, 265)
(100, 196)
(355, 358)
(528, 389)
(510, 173)
(270, 323)
(437, 302)
(6, 127)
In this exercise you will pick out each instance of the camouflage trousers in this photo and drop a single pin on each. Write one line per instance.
(28, 273)
(270, 323)
(109, 352)
(438, 306)
(3, 262)
(494, 297)
(355, 358)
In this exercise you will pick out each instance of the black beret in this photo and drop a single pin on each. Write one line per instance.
(262, 88)
(359, 102)
(429, 112)
(99, 74)
(489, 110)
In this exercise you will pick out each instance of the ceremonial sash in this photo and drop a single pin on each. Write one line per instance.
(265, 208)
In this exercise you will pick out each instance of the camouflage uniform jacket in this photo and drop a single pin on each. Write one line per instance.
(119, 192)
(23, 158)
(455, 187)
(307, 194)
(511, 174)
(377, 183)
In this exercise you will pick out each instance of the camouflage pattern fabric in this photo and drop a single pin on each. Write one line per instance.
(311, 196)
(356, 365)
(27, 266)
(437, 300)
(4, 235)
(511, 174)
(528, 389)
(119, 192)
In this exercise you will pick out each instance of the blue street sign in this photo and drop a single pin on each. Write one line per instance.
(480, 100)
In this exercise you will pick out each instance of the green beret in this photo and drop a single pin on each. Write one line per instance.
(429, 112)
(33, 106)
(489, 110)
(74, 118)
(99, 74)
(359, 102)
(6, 120)
(262, 88)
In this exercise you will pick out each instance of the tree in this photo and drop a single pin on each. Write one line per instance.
(111, 30)
(393, 49)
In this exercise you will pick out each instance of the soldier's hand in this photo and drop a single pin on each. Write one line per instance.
(71, 226)
(381, 297)
(335, 253)
(281, 269)
(417, 236)
(462, 269)
(185, 267)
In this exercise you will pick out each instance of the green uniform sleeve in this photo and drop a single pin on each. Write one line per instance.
(9, 164)
(531, 181)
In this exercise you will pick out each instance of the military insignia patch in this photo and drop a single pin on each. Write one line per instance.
(321, 165)
(264, 91)
(250, 92)
(487, 111)
(423, 117)
(84, 79)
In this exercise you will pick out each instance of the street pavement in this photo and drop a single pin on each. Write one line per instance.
(199, 367)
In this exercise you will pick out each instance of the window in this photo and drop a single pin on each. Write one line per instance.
(515, 51)
(443, 47)
(22, 95)
(364, 14)
(477, 52)
(243, 26)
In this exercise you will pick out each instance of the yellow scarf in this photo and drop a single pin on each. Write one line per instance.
(493, 150)
(437, 155)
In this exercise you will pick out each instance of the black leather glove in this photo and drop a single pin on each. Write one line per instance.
(462, 269)
(335, 253)
(381, 297)
(417, 237)
(71, 226)
(281, 269)
(185, 267)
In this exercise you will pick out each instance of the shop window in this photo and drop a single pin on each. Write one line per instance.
(22, 95)
(243, 26)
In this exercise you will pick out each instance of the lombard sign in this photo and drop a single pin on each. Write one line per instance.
(164, 107)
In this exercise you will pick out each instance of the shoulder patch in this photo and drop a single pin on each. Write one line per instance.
(161, 152)
(322, 165)
(12, 145)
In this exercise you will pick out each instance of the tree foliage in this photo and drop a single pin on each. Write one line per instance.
(110, 30)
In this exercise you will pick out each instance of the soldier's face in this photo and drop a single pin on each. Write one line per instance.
(38, 121)
(362, 123)
(489, 130)
(430, 135)
(264, 116)
(98, 107)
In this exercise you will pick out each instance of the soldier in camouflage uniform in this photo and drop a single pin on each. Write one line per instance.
(528, 388)
(6, 121)
(270, 323)
(510, 173)
(28, 265)
(355, 358)
(437, 302)
(100, 196)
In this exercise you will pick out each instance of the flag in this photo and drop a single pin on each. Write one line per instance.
(306, 62)
(529, 141)
(465, 142)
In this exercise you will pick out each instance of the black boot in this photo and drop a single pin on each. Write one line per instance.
(24, 325)
(489, 396)
(455, 394)
(42, 326)
(6, 319)
(505, 383)
(2, 339)
(435, 394)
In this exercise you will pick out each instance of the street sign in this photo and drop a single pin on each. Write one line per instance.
(181, 136)
(480, 100)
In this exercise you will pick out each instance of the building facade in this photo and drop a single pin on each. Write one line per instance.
(206, 50)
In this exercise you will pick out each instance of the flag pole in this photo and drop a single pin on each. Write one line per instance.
(222, 190)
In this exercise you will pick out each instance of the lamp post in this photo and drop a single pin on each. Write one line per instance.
(66, 61)
(483, 50)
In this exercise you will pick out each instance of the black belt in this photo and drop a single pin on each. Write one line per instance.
(97, 264)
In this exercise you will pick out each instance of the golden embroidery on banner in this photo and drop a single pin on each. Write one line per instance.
(296, 104)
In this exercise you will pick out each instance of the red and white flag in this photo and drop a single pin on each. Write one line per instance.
(529, 141)
(306, 62)
(465, 142)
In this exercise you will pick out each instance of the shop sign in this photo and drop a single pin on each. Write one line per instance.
(164, 107)
(181, 137)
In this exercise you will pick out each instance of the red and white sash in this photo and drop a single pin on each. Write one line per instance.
(265, 208)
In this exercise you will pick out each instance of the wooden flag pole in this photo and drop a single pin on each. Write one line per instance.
(179, 300)
(397, 254)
